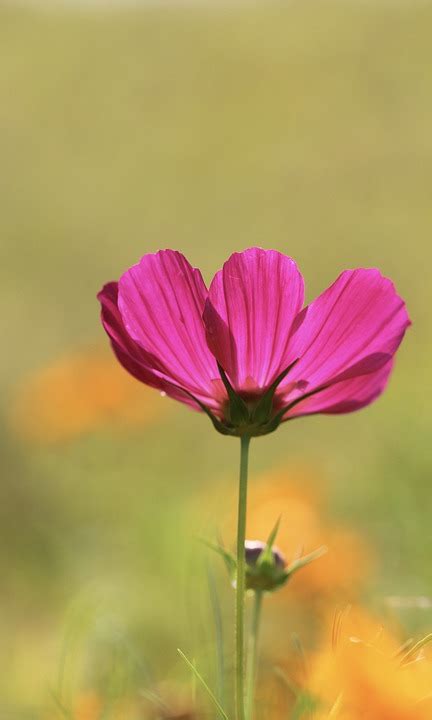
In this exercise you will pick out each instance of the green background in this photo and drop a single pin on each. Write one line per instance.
(300, 126)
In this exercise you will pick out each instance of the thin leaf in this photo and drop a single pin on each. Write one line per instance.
(229, 559)
(218, 625)
(199, 677)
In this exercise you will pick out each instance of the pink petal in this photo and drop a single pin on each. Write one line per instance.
(129, 354)
(252, 304)
(122, 344)
(161, 302)
(350, 330)
(345, 396)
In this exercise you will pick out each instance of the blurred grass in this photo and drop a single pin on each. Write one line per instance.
(303, 126)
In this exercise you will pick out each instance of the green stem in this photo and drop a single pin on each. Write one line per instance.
(241, 582)
(253, 654)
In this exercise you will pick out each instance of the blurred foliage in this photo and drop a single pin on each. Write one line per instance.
(303, 126)
(79, 393)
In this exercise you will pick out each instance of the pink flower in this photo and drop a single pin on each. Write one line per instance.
(244, 350)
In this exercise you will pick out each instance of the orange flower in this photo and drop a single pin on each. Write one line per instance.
(79, 393)
(364, 672)
(88, 706)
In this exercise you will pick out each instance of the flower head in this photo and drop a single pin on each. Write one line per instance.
(245, 351)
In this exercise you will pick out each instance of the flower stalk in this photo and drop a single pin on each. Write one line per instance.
(253, 654)
(241, 577)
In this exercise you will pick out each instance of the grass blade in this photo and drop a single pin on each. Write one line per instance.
(218, 626)
(199, 677)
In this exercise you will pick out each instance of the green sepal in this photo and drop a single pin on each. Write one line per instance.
(262, 413)
(274, 423)
(266, 557)
(265, 578)
(241, 419)
(217, 424)
(266, 575)
(306, 560)
(238, 410)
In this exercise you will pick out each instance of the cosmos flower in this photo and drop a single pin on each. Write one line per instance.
(245, 350)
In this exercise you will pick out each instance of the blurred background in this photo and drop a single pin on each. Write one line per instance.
(206, 127)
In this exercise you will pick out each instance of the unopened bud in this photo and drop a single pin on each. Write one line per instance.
(265, 566)
(254, 548)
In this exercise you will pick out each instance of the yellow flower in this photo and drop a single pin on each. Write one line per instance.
(79, 393)
(363, 672)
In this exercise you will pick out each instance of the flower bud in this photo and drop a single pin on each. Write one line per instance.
(254, 548)
(265, 566)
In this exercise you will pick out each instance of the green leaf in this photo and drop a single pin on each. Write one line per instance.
(200, 678)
